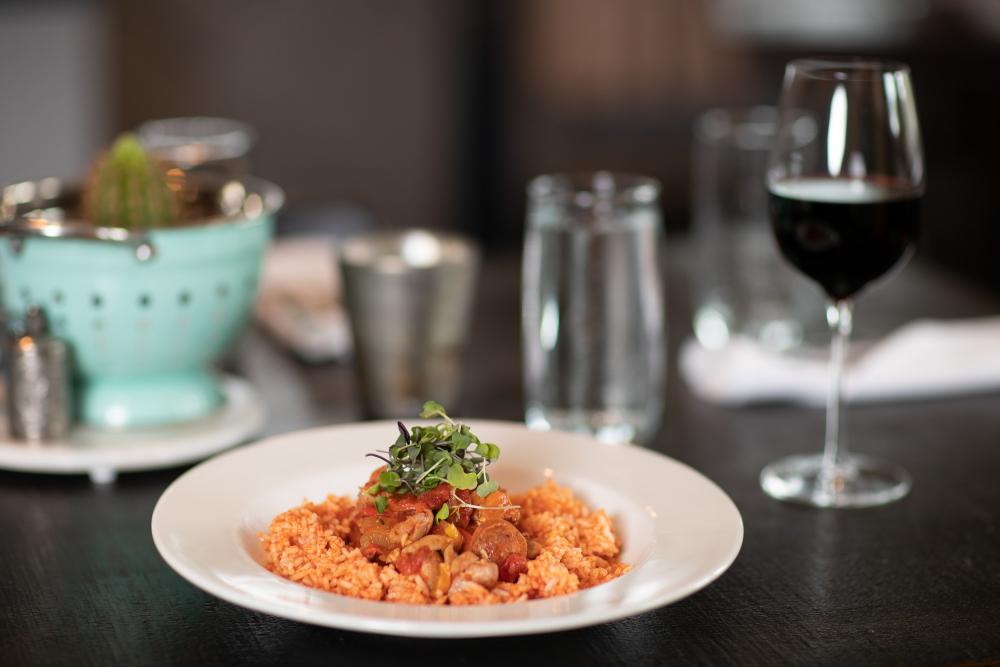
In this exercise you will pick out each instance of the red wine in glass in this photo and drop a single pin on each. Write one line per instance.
(844, 233)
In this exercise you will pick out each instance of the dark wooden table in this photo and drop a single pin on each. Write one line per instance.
(916, 582)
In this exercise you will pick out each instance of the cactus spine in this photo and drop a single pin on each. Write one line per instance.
(128, 188)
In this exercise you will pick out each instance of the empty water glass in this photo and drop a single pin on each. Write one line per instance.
(740, 285)
(200, 143)
(592, 306)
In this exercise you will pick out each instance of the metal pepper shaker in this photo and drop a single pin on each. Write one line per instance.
(39, 382)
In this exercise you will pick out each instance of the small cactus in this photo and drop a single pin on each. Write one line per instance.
(128, 188)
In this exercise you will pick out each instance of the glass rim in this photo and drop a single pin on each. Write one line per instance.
(747, 127)
(583, 188)
(406, 249)
(846, 68)
(227, 137)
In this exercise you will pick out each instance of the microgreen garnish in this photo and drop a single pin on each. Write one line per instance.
(486, 488)
(460, 479)
(442, 514)
(425, 456)
(434, 409)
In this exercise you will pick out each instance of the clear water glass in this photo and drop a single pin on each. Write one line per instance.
(740, 285)
(200, 143)
(593, 307)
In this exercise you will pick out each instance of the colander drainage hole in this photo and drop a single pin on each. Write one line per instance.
(57, 296)
(97, 300)
(145, 300)
(184, 298)
(222, 290)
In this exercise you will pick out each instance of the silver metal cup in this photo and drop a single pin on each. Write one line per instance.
(409, 298)
(38, 372)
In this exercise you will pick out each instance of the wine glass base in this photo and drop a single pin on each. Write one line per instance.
(860, 482)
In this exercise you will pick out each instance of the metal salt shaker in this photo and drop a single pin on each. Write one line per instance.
(39, 382)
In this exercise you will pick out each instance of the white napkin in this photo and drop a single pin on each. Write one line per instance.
(299, 301)
(922, 359)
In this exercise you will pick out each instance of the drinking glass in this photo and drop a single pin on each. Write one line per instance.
(592, 306)
(740, 286)
(844, 208)
(200, 143)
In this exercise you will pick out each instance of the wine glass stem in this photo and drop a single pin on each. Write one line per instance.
(838, 316)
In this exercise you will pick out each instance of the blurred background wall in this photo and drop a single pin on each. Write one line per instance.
(436, 112)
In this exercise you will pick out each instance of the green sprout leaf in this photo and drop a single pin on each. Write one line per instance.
(389, 480)
(372, 490)
(460, 479)
(486, 488)
(442, 514)
(434, 409)
(460, 440)
(380, 504)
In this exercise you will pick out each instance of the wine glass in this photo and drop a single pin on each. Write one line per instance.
(845, 179)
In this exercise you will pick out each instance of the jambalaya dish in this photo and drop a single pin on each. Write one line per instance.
(431, 527)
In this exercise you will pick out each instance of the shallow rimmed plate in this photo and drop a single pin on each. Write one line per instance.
(103, 453)
(680, 531)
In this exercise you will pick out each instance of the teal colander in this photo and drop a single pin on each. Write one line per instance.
(145, 313)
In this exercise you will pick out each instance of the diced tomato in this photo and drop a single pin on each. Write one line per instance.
(464, 515)
(513, 567)
(432, 500)
(410, 563)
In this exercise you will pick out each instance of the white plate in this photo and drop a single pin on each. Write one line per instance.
(103, 453)
(680, 531)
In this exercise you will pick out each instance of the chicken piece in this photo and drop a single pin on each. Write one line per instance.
(469, 567)
(449, 530)
(377, 535)
(462, 561)
(372, 535)
(432, 542)
(499, 505)
(412, 527)
(433, 573)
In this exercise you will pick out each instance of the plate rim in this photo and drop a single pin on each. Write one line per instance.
(62, 459)
(344, 620)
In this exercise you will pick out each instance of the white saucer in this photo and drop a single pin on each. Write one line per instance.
(102, 453)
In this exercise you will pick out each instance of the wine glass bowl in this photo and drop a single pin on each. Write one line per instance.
(845, 180)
